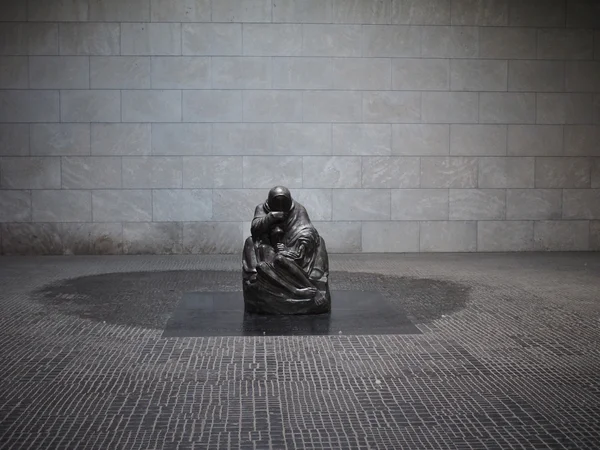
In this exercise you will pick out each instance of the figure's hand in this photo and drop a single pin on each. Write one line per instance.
(278, 216)
(290, 254)
(280, 247)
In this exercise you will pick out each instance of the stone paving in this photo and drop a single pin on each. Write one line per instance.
(510, 360)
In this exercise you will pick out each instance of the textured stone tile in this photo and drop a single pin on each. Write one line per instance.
(332, 106)
(212, 106)
(448, 172)
(536, 76)
(453, 236)
(535, 140)
(362, 139)
(151, 39)
(318, 202)
(564, 235)
(272, 106)
(477, 204)
(361, 204)
(61, 206)
(14, 72)
(302, 139)
(151, 106)
(152, 238)
(29, 106)
(15, 206)
(583, 14)
(538, 204)
(243, 139)
(583, 76)
(507, 172)
(449, 107)
(272, 39)
(181, 72)
(152, 172)
(14, 139)
(120, 11)
(596, 173)
(30, 173)
(341, 237)
(478, 75)
(390, 172)
(596, 109)
(421, 12)
(14, 39)
(237, 11)
(120, 72)
(420, 140)
(358, 11)
(31, 239)
(391, 40)
(241, 72)
(90, 106)
(391, 107)
(449, 42)
(390, 237)
(13, 11)
(236, 204)
(506, 236)
(331, 172)
(507, 43)
(564, 109)
(91, 238)
(121, 139)
(42, 38)
(362, 73)
(59, 72)
(478, 140)
(212, 237)
(62, 139)
(57, 10)
(91, 172)
(562, 172)
(181, 139)
(190, 205)
(480, 12)
(537, 13)
(582, 140)
(305, 11)
(115, 205)
(420, 204)
(595, 235)
(560, 43)
(410, 74)
(181, 11)
(217, 39)
(268, 171)
(581, 204)
(89, 38)
(331, 40)
(212, 172)
(302, 73)
(507, 108)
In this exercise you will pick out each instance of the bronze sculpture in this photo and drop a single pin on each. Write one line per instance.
(285, 264)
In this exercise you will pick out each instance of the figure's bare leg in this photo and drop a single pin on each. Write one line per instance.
(266, 271)
(308, 290)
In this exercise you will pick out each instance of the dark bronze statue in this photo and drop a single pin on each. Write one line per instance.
(285, 261)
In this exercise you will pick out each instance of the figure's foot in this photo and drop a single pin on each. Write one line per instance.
(305, 292)
(319, 298)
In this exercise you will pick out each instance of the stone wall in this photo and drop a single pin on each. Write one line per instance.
(156, 126)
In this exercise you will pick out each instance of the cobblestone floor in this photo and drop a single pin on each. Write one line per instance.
(510, 360)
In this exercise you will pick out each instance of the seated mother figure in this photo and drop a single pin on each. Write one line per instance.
(285, 257)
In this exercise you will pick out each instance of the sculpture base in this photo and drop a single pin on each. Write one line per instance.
(257, 300)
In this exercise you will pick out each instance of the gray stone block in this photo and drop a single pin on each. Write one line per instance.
(331, 172)
(272, 106)
(302, 139)
(410, 74)
(178, 139)
(15, 206)
(358, 11)
(478, 140)
(362, 73)
(391, 40)
(361, 204)
(181, 72)
(478, 75)
(538, 204)
(561, 43)
(562, 172)
(152, 238)
(91, 172)
(268, 171)
(62, 139)
(302, 73)
(246, 72)
(536, 76)
(121, 139)
(89, 38)
(14, 139)
(57, 10)
(115, 205)
(236, 204)
(596, 173)
(304, 11)
(152, 172)
(90, 106)
(449, 42)
(390, 237)
(332, 106)
(449, 107)
(449, 172)
(535, 140)
(242, 139)
(421, 12)
(120, 11)
(480, 12)
(507, 108)
(477, 204)
(29, 106)
(91, 238)
(419, 204)
(537, 13)
(219, 39)
(453, 236)
(151, 39)
(582, 140)
(61, 206)
(14, 72)
(120, 72)
(507, 172)
(341, 237)
(362, 139)
(246, 11)
(273, 39)
(212, 238)
(318, 202)
(13, 39)
(583, 76)
(212, 106)
(30, 173)
(564, 109)
(13, 11)
(42, 38)
(595, 235)
(169, 205)
(581, 204)
(390, 172)
(212, 172)
(563, 235)
(506, 236)
(31, 238)
(507, 43)
(420, 140)
(391, 107)
(331, 40)
(181, 11)
(151, 106)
